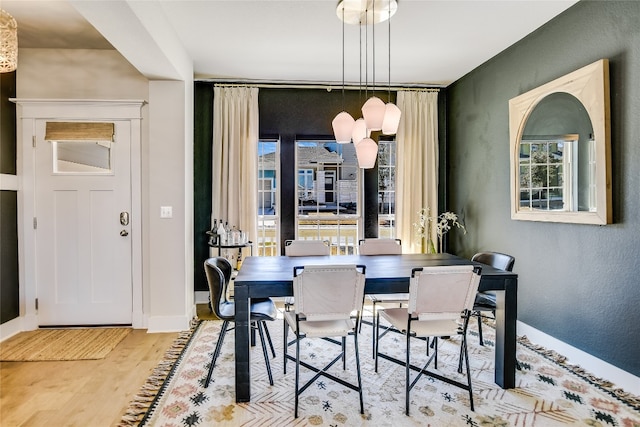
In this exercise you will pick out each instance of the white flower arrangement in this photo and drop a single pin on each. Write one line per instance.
(444, 222)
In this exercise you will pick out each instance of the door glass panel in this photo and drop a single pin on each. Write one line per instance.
(82, 157)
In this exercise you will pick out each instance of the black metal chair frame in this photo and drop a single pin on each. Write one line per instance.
(218, 271)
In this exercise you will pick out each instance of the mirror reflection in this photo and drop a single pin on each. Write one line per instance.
(557, 157)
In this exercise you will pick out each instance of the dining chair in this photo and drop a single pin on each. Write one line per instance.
(325, 298)
(440, 300)
(218, 271)
(381, 246)
(486, 301)
(306, 247)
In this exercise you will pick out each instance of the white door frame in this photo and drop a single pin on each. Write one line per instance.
(30, 110)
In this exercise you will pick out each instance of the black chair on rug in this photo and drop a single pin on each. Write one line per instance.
(439, 299)
(218, 271)
(486, 301)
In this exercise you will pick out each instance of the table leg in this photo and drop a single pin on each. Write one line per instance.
(243, 374)
(505, 351)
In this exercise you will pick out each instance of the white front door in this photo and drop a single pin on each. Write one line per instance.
(82, 230)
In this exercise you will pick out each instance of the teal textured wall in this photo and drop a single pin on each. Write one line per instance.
(577, 283)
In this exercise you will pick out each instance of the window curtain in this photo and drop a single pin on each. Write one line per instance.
(234, 157)
(417, 165)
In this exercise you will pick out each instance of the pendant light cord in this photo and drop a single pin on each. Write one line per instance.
(389, 75)
(343, 103)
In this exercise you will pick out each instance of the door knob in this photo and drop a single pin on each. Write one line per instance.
(124, 233)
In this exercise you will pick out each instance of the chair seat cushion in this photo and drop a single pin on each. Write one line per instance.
(227, 311)
(321, 328)
(263, 310)
(485, 301)
(422, 328)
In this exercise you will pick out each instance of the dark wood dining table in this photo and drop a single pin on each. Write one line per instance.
(262, 277)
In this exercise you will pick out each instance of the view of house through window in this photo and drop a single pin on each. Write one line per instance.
(329, 194)
(268, 177)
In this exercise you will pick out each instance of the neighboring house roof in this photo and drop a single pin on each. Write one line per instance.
(311, 156)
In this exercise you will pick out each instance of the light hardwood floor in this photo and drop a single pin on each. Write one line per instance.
(89, 393)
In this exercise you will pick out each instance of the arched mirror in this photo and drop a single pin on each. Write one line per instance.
(560, 149)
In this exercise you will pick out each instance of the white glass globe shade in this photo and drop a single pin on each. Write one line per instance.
(359, 131)
(367, 152)
(343, 127)
(373, 113)
(391, 119)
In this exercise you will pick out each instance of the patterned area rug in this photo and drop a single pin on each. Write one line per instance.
(61, 344)
(548, 392)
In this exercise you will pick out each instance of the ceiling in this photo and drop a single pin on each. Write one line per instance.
(432, 42)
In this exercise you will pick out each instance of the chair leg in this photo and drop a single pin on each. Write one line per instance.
(284, 340)
(266, 331)
(407, 380)
(374, 327)
(377, 341)
(216, 352)
(344, 353)
(355, 341)
(261, 325)
(297, 373)
(479, 315)
(466, 356)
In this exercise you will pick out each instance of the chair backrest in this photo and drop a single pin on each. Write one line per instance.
(306, 248)
(328, 292)
(216, 271)
(380, 247)
(443, 292)
(495, 260)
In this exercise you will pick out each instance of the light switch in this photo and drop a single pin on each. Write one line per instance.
(166, 212)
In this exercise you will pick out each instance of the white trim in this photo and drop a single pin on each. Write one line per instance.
(601, 369)
(8, 182)
(10, 328)
(17, 325)
(159, 324)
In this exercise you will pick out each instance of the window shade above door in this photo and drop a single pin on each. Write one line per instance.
(79, 131)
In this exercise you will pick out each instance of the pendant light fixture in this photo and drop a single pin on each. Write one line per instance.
(8, 43)
(373, 109)
(392, 113)
(376, 115)
(343, 123)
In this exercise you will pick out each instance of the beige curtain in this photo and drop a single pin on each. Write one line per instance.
(417, 164)
(235, 161)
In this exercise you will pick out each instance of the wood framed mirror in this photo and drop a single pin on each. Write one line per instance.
(560, 149)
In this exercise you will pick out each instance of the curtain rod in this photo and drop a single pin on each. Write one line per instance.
(326, 86)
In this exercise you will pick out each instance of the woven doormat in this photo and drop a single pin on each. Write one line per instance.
(61, 344)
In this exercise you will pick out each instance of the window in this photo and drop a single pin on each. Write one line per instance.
(268, 196)
(82, 157)
(387, 189)
(328, 194)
